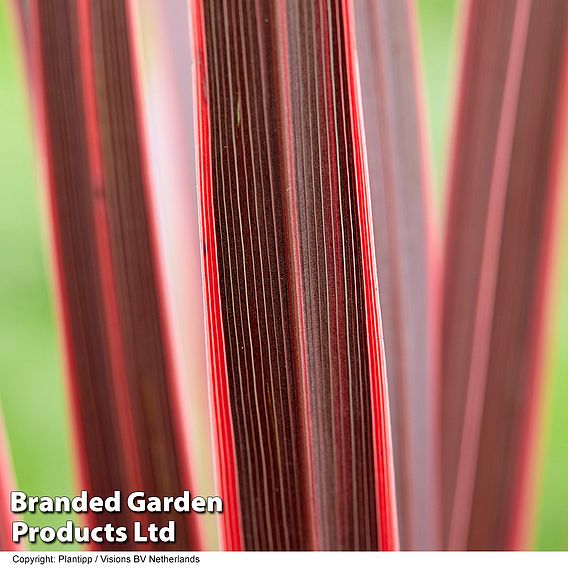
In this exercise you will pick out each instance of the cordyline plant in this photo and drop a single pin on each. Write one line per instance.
(369, 387)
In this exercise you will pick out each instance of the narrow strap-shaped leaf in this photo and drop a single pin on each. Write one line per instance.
(406, 248)
(504, 184)
(123, 386)
(165, 50)
(298, 377)
(6, 486)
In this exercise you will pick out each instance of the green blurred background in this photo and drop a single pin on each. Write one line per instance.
(32, 389)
